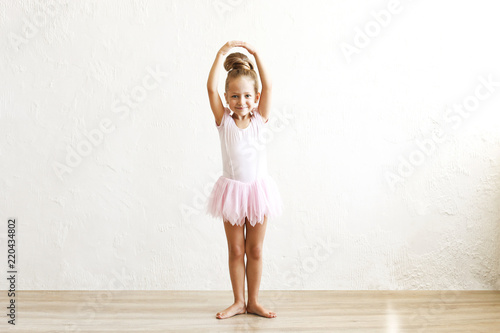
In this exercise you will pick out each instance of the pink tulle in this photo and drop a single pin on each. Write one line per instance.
(233, 200)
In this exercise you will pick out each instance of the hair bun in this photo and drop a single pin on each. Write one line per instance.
(237, 61)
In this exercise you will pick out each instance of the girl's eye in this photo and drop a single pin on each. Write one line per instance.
(248, 96)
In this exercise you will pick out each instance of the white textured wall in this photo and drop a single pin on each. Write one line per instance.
(129, 214)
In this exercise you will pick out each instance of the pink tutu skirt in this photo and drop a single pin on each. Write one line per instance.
(234, 201)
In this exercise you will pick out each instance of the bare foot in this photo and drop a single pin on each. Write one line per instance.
(260, 310)
(234, 309)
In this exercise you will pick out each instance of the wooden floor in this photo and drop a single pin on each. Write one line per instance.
(304, 311)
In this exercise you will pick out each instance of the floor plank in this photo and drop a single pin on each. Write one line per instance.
(298, 311)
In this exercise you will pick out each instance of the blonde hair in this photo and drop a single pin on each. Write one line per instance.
(237, 64)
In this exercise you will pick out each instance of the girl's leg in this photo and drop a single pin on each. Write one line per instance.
(253, 249)
(236, 250)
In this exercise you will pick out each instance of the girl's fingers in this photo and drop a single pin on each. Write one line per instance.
(238, 43)
(235, 44)
(249, 47)
(229, 45)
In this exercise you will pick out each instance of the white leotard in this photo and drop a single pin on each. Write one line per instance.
(244, 154)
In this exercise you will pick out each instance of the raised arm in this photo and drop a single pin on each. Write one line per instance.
(213, 80)
(265, 95)
(212, 84)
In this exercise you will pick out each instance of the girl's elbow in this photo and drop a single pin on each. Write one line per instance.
(211, 88)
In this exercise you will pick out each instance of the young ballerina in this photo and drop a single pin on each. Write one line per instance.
(245, 195)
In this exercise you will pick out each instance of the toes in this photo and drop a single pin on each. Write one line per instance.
(264, 313)
(271, 314)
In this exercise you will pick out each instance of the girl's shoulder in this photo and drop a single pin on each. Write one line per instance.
(224, 118)
(258, 116)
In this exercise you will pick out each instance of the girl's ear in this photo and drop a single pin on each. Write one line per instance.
(225, 97)
(257, 97)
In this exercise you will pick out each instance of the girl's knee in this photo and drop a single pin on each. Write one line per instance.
(236, 251)
(254, 252)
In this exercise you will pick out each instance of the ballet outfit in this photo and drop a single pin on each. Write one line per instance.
(245, 189)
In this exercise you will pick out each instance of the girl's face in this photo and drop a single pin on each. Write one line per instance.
(241, 95)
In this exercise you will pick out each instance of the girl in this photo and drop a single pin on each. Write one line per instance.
(245, 195)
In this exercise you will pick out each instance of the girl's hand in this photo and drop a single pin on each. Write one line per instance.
(228, 46)
(237, 43)
(249, 48)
